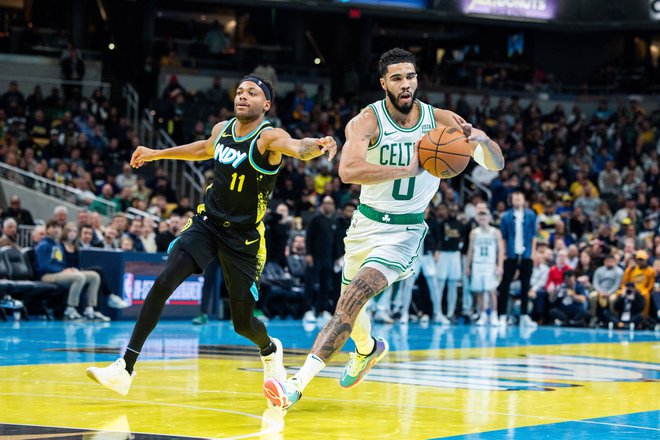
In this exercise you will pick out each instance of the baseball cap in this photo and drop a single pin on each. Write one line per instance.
(567, 198)
(641, 255)
(626, 221)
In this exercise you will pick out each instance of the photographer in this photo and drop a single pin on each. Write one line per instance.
(569, 302)
(628, 308)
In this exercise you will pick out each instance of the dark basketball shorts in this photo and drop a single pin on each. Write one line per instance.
(241, 251)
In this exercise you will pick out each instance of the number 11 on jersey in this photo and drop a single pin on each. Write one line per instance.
(234, 178)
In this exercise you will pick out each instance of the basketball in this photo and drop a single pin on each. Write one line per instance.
(445, 152)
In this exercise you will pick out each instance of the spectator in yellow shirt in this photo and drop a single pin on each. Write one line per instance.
(642, 276)
(321, 179)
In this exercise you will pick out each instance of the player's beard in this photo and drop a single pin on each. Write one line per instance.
(251, 115)
(405, 109)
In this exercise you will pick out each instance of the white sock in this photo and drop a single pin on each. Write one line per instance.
(313, 366)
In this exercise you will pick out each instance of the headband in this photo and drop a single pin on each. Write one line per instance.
(260, 83)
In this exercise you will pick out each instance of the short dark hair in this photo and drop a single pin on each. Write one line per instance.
(569, 273)
(52, 222)
(394, 56)
(86, 227)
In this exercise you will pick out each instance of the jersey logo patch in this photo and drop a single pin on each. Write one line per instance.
(249, 242)
(228, 155)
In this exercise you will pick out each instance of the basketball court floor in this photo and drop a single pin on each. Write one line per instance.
(455, 382)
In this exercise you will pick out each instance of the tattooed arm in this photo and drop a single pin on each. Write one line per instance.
(366, 284)
(278, 143)
(361, 132)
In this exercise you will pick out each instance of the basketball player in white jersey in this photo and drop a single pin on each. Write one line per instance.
(387, 230)
(485, 259)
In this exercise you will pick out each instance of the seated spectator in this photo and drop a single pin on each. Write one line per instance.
(148, 236)
(643, 278)
(38, 234)
(556, 273)
(14, 210)
(61, 215)
(135, 232)
(537, 283)
(569, 302)
(9, 233)
(126, 243)
(126, 178)
(52, 268)
(167, 231)
(183, 207)
(628, 307)
(110, 238)
(86, 240)
(606, 282)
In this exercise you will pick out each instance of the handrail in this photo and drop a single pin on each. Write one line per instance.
(105, 86)
(187, 180)
(132, 104)
(66, 193)
(478, 185)
(75, 195)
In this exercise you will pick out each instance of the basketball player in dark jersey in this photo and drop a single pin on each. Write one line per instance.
(247, 155)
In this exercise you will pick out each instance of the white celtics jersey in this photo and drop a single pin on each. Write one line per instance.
(394, 147)
(484, 247)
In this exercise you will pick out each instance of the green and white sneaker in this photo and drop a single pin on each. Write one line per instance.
(359, 365)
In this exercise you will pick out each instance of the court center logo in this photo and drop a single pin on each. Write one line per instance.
(528, 373)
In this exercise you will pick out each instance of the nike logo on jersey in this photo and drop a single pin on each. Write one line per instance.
(226, 135)
(389, 134)
(249, 242)
(228, 155)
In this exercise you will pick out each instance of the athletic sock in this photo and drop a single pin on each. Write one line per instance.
(369, 347)
(130, 357)
(270, 349)
(313, 366)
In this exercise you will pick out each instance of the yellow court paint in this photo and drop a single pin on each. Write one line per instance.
(221, 397)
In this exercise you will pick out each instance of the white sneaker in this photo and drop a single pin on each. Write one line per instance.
(114, 376)
(483, 320)
(503, 322)
(403, 320)
(95, 315)
(441, 319)
(526, 321)
(72, 315)
(494, 320)
(383, 317)
(116, 302)
(309, 316)
(274, 363)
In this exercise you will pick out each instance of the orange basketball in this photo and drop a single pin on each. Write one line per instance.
(445, 152)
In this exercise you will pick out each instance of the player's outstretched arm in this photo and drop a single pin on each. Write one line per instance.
(199, 150)
(353, 166)
(489, 155)
(279, 141)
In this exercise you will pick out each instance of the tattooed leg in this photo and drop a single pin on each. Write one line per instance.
(365, 285)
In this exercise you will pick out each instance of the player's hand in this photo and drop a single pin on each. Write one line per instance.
(141, 155)
(328, 145)
(414, 167)
(465, 126)
(478, 136)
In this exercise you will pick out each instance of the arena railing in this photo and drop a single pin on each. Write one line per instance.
(470, 187)
(185, 177)
(55, 82)
(75, 196)
(132, 105)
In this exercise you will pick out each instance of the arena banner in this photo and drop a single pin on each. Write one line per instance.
(527, 9)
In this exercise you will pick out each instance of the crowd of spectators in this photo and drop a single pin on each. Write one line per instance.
(593, 180)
